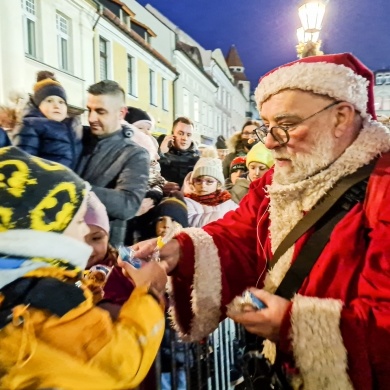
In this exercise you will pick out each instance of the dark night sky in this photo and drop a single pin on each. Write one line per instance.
(264, 31)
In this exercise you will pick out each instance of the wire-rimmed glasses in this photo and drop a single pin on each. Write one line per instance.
(281, 133)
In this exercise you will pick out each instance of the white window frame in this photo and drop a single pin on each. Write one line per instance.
(131, 76)
(64, 37)
(196, 109)
(186, 102)
(204, 113)
(165, 94)
(211, 117)
(152, 87)
(30, 19)
(106, 56)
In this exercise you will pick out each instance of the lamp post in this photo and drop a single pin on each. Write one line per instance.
(311, 14)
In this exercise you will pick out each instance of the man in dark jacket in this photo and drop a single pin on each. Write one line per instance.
(115, 166)
(178, 153)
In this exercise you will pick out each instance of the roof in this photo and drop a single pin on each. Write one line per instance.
(233, 59)
(193, 54)
(133, 35)
(239, 76)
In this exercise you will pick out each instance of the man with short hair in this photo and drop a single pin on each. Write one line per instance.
(331, 330)
(178, 153)
(116, 167)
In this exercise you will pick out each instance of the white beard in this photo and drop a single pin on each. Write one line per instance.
(304, 165)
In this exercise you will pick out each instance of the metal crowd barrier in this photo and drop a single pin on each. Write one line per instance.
(207, 364)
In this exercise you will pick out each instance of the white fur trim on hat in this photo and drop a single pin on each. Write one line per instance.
(323, 78)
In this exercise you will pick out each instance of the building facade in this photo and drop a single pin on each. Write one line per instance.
(42, 35)
(382, 92)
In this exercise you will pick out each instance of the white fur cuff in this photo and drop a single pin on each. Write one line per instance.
(317, 343)
(206, 289)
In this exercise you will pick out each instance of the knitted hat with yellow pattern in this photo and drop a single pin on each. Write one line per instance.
(37, 194)
(47, 85)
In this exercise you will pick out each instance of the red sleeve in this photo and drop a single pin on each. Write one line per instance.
(237, 237)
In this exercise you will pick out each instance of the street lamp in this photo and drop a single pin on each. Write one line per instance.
(304, 36)
(311, 14)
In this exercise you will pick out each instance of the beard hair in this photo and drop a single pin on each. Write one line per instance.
(305, 165)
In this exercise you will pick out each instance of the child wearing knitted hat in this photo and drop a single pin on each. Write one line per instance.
(47, 131)
(207, 201)
(237, 169)
(258, 161)
(47, 312)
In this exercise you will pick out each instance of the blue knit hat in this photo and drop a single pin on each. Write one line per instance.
(46, 86)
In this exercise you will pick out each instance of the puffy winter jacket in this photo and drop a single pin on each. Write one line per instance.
(200, 215)
(175, 164)
(52, 140)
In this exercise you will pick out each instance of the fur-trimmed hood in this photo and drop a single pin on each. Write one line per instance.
(234, 143)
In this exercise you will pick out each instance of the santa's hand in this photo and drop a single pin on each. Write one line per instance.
(169, 254)
(150, 274)
(264, 322)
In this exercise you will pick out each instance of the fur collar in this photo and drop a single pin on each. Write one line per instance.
(289, 202)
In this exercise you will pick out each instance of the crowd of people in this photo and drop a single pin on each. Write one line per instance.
(314, 173)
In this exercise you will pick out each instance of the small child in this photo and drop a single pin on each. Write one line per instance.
(99, 228)
(207, 201)
(237, 168)
(51, 333)
(46, 131)
(169, 212)
(258, 161)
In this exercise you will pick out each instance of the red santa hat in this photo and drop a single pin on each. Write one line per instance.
(340, 76)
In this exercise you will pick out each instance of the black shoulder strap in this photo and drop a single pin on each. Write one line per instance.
(310, 219)
(312, 249)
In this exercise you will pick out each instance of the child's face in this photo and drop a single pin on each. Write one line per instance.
(98, 240)
(145, 127)
(256, 170)
(163, 224)
(205, 185)
(77, 228)
(54, 108)
(235, 175)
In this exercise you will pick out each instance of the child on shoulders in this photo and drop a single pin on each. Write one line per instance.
(47, 132)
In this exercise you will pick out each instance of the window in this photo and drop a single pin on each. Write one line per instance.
(186, 102)
(103, 53)
(141, 31)
(131, 90)
(204, 113)
(152, 87)
(219, 124)
(211, 122)
(196, 109)
(63, 35)
(124, 17)
(165, 102)
(29, 27)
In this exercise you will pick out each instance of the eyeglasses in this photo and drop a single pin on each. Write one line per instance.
(280, 133)
(209, 182)
(248, 134)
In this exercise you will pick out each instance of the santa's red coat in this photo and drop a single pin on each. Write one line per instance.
(344, 338)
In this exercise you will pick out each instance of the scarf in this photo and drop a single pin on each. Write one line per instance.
(213, 199)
